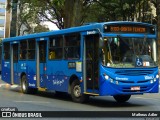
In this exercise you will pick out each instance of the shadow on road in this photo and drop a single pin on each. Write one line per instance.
(93, 101)
(100, 102)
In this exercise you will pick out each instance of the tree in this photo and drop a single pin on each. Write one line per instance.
(158, 24)
(26, 18)
(73, 16)
(40, 28)
(123, 10)
(70, 13)
(63, 13)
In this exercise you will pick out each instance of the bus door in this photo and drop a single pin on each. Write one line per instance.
(14, 63)
(41, 63)
(91, 63)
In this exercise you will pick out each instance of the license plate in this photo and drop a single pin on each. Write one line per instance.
(135, 88)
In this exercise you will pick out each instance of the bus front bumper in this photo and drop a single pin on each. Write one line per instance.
(108, 88)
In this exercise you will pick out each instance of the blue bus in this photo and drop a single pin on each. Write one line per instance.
(116, 59)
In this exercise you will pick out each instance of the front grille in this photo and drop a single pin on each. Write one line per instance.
(144, 81)
(126, 81)
(134, 72)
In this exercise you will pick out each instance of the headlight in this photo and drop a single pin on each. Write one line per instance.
(157, 76)
(106, 77)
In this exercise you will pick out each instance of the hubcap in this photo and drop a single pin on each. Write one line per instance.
(77, 91)
(24, 85)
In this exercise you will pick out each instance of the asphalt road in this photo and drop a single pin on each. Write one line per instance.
(11, 96)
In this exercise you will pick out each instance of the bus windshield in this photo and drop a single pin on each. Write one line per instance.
(129, 52)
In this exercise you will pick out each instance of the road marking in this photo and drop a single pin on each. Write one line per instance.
(31, 102)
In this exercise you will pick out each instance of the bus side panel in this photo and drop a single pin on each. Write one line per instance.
(16, 76)
(43, 75)
(59, 75)
(28, 67)
(31, 74)
(6, 71)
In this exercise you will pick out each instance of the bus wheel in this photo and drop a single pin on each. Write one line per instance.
(24, 84)
(122, 98)
(76, 94)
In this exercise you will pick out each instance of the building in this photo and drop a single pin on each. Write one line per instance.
(2, 17)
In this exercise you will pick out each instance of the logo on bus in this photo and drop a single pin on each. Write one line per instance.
(117, 78)
(139, 62)
(148, 77)
(32, 85)
(58, 82)
(91, 32)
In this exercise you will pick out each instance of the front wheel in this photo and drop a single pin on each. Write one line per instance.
(76, 94)
(122, 98)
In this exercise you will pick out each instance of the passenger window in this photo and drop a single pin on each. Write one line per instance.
(72, 46)
(31, 49)
(55, 47)
(6, 51)
(23, 50)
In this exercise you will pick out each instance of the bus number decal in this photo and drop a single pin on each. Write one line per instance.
(5, 64)
(23, 66)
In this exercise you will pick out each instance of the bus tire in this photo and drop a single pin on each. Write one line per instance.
(122, 98)
(24, 86)
(76, 94)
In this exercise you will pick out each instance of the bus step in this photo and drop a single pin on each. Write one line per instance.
(42, 89)
(95, 94)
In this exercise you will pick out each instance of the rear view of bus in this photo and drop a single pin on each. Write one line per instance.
(129, 60)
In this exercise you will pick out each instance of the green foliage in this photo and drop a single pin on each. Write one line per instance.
(40, 28)
(43, 10)
(112, 10)
(69, 13)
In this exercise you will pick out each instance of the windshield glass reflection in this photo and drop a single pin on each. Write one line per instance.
(129, 52)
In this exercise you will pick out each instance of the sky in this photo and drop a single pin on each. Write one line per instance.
(2, 0)
(51, 26)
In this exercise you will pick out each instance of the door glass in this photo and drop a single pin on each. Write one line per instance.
(92, 61)
(15, 53)
(42, 51)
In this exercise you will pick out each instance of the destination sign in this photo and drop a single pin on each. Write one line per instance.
(129, 29)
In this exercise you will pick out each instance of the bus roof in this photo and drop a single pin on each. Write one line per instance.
(85, 27)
